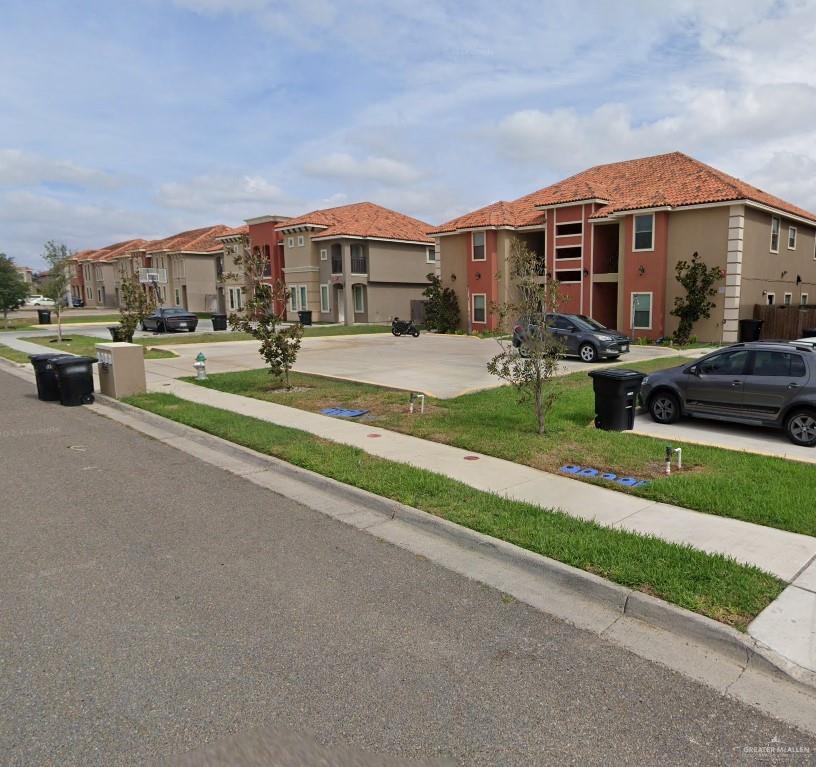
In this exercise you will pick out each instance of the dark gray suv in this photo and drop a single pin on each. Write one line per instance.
(760, 383)
(581, 336)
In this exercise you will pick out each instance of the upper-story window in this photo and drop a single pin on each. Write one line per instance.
(324, 254)
(644, 232)
(479, 246)
(301, 240)
(774, 234)
(430, 256)
(359, 262)
(290, 242)
(791, 238)
(569, 229)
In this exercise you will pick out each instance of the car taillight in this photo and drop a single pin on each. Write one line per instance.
(517, 329)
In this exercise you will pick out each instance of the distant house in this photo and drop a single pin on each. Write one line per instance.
(27, 273)
(613, 234)
(355, 263)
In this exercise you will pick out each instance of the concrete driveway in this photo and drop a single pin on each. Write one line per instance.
(440, 366)
(733, 436)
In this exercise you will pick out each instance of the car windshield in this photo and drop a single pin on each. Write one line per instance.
(594, 324)
(583, 324)
(174, 310)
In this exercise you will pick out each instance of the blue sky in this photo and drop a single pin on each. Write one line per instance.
(125, 119)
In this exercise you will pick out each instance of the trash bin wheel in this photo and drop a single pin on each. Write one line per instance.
(88, 399)
(664, 407)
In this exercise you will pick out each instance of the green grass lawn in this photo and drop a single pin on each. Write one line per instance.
(761, 489)
(71, 319)
(713, 585)
(13, 354)
(85, 346)
(312, 331)
(174, 339)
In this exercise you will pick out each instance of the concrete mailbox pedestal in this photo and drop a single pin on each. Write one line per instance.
(121, 369)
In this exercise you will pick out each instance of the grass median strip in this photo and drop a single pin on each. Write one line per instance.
(712, 585)
(767, 491)
(13, 354)
(85, 346)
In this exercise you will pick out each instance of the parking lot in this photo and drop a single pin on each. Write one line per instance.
(439, 366)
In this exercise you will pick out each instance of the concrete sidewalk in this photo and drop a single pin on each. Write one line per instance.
(787, 626)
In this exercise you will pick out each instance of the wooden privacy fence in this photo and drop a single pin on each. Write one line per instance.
(783, 323)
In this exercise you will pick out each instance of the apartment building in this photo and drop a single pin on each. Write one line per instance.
(612, 235)
(355, 263)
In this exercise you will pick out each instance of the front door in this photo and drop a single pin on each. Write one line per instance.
(773, 380)
(341, 306)
(719, 384)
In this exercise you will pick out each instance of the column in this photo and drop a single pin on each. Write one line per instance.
(733, 273)
(348, 298)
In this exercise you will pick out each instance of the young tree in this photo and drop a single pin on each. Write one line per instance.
(698, 280)
(56, 255)
(531, 367)
(441, 307)
(279, 344)
(13, 290)
(137, 303)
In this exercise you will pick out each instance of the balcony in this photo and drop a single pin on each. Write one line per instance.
(359, 264)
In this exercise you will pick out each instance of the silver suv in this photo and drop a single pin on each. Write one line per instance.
(761, 383)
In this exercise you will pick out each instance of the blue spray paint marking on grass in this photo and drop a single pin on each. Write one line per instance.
(580, 471)
(341, 412)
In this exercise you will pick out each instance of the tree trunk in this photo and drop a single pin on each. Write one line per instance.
(5, 318)
(59, 324)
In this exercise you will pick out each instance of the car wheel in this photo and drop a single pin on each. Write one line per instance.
(588, 353)
(415, 333)
(664, 407)
(161, 327)
(800, 427)
(144, 327)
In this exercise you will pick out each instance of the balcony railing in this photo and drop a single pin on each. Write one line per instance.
(359, 265)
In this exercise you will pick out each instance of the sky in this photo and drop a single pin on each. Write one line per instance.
(141, 118)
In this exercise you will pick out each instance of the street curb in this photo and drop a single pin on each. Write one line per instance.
(715, 636)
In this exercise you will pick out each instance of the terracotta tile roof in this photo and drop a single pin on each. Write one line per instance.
(234, 231)
(668, 180)
(363, 219)
(192, 241)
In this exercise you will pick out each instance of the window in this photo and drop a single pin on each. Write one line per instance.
(178, 297)
(573, 251)
(803, 299)
(644, 232)
(290, 242)
(324, 254)
(641, 311)
(784, 364)
(770, 298)
(727, 364)
(573, 275)
(293, 299)
(99, 295)
(480, 307)
(236, 299)
(303, 296)
(560, 323)
(787, 299)
(89, 293)
(791, 238)
(430, 256)
(479, 246)
(774, 234)
(325, 300)
(569, 229)
(267, 261)
(301, 241)
(359, 262)
(359, 298)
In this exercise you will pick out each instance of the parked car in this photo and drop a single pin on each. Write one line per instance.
(77, 303)
(581, 335)
(171, 318)
(764, 383)
(39, 301)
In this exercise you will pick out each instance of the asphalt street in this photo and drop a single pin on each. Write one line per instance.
(151, 604)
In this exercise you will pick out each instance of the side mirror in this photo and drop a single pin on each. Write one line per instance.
(694, 370)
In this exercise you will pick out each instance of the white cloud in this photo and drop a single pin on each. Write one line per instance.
(19, 168)
(223, 196)
(343, 166)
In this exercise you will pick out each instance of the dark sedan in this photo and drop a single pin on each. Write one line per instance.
(581, 335)
(170, 319)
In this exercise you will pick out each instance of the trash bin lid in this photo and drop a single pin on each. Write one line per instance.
(71, 359)
(616, 374)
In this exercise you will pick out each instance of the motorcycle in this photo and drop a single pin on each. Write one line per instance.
(404, 327)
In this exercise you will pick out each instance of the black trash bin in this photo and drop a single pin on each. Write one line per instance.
(75, 379)
(44, 316)
(305, 317)
(46, 375)
(117, 334)
(809, 333)
(616, 393)
(750, 330)
(219, 321)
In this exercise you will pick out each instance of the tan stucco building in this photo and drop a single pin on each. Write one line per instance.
(355, 263)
